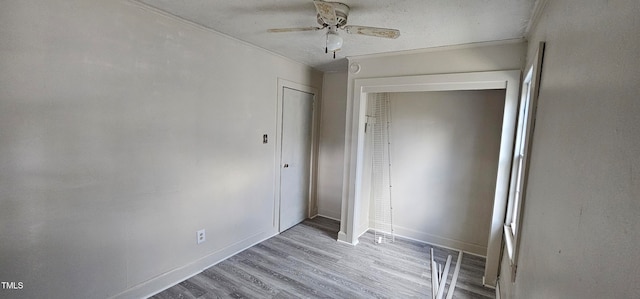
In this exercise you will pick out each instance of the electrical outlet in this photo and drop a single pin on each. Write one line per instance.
(201, 236)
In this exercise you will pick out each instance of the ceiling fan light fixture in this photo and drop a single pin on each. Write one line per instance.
(334, 41)
(332, 16)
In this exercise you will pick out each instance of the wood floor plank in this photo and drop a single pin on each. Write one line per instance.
(317, 274)
(307, 262)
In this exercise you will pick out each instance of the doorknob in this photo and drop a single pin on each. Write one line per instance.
(286, 165)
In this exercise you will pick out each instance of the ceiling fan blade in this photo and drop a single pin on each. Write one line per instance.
(372, 31)
(278, 30)
(327, 12)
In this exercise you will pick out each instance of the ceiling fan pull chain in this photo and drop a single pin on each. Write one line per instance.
(334, 54)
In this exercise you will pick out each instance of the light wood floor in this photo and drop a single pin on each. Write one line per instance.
(306, 261)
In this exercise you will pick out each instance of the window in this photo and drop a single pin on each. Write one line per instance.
(519, 150)
(524, 132)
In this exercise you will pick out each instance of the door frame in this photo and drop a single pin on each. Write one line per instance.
(508, 80)
(315, 117)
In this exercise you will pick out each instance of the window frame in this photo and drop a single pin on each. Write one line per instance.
(521, 157)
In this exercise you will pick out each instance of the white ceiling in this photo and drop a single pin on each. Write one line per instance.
(422, 23)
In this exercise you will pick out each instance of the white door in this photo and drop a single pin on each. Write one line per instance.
(297, 112)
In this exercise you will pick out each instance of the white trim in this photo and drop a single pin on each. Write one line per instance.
(439, 48)
(443, 279)
(323, 216)
(164, 13)
(484, 283)
(434, 276)
(354, 145)
(509, 241)
(526, 125)
(362, 233)
(408, 233)
(352, 244)
(165, 280)
(535, 16)
(283, 83)
(333, 214)
(432, 244)
(454, 279)
(342, 236)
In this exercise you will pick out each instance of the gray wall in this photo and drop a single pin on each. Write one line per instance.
(581, 223)
(123, 131)
(331, 151)
(444, 155)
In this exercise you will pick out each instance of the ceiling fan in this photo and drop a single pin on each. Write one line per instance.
(333, 16)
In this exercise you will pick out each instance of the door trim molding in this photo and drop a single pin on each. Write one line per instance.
(509, 80)
(283, 83)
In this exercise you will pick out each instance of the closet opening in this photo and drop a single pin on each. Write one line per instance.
(356, 203)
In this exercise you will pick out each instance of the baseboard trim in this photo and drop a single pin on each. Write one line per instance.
(484, 284)
(342, 237)
(325, 216)
(441, 241)
(330, 214)
(425, 238)
(163, 281)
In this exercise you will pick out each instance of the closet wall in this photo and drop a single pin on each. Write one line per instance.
(444, 154)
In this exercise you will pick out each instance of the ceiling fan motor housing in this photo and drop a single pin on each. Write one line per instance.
(342, 11)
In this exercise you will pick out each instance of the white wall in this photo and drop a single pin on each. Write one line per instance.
(331, 150)
(581, 224)
(444, 155)
(506, 55)
(123, 132)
